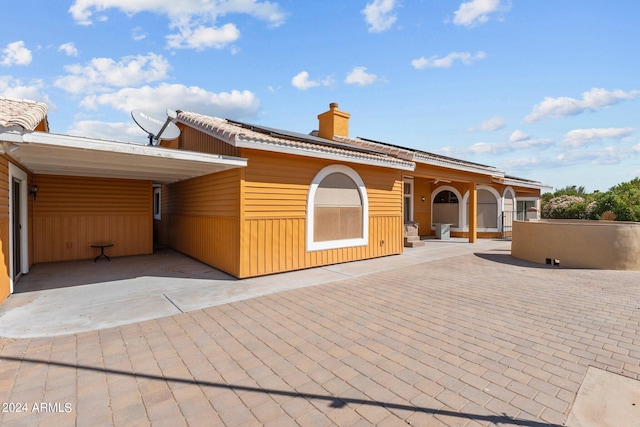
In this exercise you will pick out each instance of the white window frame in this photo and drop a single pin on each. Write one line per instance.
(528, 199)
(312, 245)
(408, 196)
(157, 213)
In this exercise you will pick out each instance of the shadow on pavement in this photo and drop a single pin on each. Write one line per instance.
(333, 401)
(508, 259)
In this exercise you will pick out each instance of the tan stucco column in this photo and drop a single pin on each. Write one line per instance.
(473, 212)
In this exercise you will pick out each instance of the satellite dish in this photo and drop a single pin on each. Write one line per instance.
(158, 129)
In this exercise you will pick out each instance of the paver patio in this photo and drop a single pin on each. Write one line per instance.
(475, 339)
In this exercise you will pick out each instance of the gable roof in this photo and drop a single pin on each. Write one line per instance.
(22, 113)
(245, 135)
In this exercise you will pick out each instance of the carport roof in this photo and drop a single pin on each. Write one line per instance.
(55, 154)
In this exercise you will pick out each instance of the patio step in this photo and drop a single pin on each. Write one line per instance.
(413, 242)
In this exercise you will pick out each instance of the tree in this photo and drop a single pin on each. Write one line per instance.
(567, 207)
(573, 202)
(623, 200)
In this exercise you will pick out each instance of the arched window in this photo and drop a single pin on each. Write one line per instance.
(337, 210)
(446, 208)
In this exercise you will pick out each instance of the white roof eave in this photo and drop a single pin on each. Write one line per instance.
(46, 153)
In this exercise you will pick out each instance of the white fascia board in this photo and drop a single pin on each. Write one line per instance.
(82, 143)
(525, 184)
(12, 134)
(321, 155)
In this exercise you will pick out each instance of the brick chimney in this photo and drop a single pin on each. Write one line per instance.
(333, 122)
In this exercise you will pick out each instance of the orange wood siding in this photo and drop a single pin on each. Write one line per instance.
(200, 218)
(273, 232)
(272, 245)
(194, 140)
(210, 239)
(422, 210)
(5, 280)
(71, 213)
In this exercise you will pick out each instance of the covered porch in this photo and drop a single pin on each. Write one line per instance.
(473, 201)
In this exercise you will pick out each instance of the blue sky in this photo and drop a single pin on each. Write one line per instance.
(547, 90)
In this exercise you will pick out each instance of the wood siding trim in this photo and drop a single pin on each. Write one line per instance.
(72, 213)
(200, 218)
(213, 240)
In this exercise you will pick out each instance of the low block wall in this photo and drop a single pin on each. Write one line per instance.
(606, 245)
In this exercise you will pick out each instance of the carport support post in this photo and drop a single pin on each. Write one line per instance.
(473, 212)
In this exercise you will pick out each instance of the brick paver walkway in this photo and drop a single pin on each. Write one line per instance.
(471, 340)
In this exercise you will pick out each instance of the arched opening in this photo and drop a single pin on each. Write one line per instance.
(508, 210)
(446, 208)
(488, 208)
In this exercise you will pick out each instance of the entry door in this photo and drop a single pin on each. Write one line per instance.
(17, 227)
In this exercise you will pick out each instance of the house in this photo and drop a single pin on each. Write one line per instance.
(246, 199)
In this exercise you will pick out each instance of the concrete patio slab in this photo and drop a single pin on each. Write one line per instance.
(606, 400)
(84, 295)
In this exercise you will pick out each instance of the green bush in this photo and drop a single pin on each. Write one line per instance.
(573, 202)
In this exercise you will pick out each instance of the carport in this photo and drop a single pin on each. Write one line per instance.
(68, 192)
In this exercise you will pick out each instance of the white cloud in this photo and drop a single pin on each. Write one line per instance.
(445, 62)
(234, 104)
(194, 19)
(69, 49)
(499, 148)
(518, 136)
(128, 132)
(594, 100)
(16, 88)
(477, 12)
(138, 34)
(492, 124)
(202, 37)
(488, 148)
(602, 156)
(16, 54)
(379, 15)
(104, 73)
(360, 77)
(82, 10)
(582, 137)
(529, 163)
(301, 81)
